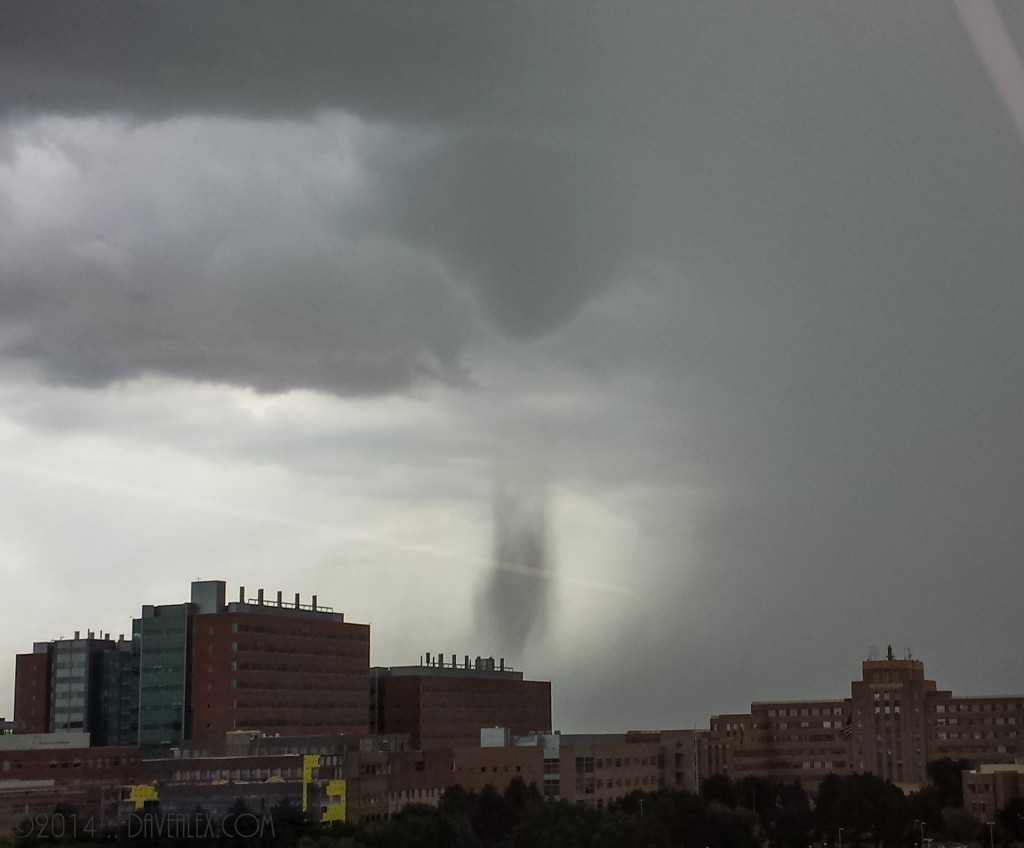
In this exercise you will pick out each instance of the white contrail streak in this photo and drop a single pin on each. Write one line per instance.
(431, 552)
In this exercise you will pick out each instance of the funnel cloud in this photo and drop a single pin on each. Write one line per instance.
(516, 597)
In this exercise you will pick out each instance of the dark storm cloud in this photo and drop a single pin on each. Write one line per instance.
(565, 141)
(299, 323)
(531, 227)
(207, 252)
(384, 60)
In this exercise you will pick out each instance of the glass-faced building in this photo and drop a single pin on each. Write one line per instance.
(84, 684)
(163, 636)
(119, 696)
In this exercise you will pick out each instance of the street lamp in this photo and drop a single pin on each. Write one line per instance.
(991, 834)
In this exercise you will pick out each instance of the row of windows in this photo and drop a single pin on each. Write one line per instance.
(74, 655)
(328, 668)
(646, 780)
(303, 705)
(619, 762)
(398, 799)
(166, 685)
(963, 750)
(74, 673)
(522, 706)
(803, 725)
(89, 763)
(434, 707)
(321, 720)
(163, 643)
(737, 729)
(765, 755)
(255, 773)
(804, 711)
(483, 769)
(320, 685)
(347, 635)
(980, 707)
(280, 650)
(976, 734)
(829, 743)
(985, 720)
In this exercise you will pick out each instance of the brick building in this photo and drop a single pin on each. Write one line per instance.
(36, 776)
(893, 724)
(290, 669)
(586, 769)
(32, 692)
(419, 777)
(444, 705)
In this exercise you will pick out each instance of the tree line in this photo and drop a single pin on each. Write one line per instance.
(853, 810)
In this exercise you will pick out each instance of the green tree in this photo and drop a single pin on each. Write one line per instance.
(456, 801)
(521, 801)
(1011, 819)
(559, 824)
(755, 793)
(926, 806)
(490, 817)
(670, 818)
(719, 789)
(960, 824)
(864, 806)
(419, 826)
(945, 776)
(789, 822)
(729, 828)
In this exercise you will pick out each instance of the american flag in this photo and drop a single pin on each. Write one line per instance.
(847, 731)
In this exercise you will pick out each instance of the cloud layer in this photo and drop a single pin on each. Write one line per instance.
(745, 277)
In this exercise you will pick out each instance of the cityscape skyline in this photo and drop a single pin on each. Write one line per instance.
(267, 698)
(192, 672)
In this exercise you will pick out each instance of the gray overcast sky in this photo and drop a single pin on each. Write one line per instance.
(672, 351)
